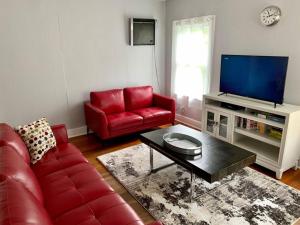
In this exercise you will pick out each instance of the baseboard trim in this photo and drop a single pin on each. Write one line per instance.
(75, 132)
(188, 121)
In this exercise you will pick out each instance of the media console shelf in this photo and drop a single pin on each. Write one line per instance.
(272, 133)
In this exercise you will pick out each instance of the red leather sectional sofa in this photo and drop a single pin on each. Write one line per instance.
(61, 189)
(122, 111)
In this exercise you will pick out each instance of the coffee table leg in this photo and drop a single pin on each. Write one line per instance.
(154, 170)
(192, 185)
(151, 160)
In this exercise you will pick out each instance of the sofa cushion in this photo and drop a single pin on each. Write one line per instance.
(138, 97)
(154, 114)
(60, 157)
(119, 121)
(38, 138)
(72, 187)
(9, 137)
(12, 166)
(109, 209)
(18, 206)
(111, 101)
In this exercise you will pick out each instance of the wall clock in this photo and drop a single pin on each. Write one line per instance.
(270, 15)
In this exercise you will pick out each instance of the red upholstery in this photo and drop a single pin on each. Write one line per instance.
(13, 166)
(117, 133)
(109, 101)
(19, 207)
(152, 114)
(62, 188)
(110, 209)
(166, 103)
(72, 187)
(124, 120)
(138, 97)
(63, 156)
(96, 120)
(60, 134)
(9, 137)
(144, 110)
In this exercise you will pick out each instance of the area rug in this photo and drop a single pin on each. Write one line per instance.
(243, 198)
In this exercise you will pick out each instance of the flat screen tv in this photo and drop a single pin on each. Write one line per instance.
(259, 77)
(142, 31)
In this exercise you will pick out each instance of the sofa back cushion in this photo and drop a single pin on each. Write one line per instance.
(8, 137)
(138, 97)
(12, 166)
(19, 206)
(111, 101)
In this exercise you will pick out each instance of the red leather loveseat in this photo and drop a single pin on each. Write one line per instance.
(62, 188)
(122, 111)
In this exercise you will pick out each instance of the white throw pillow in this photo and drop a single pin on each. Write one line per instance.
(38, 138)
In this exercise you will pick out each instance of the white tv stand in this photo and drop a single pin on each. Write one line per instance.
(275, 154)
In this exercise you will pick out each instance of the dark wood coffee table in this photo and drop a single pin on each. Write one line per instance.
(218, 158)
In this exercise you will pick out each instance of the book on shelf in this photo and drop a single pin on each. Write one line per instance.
(275, 133)
(261, 126)
(246, 124)
(239, 122)
(275, 118)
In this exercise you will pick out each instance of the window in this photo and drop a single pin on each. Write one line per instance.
(192, 56)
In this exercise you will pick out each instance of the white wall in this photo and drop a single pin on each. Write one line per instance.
(238, 31)
(54, 52)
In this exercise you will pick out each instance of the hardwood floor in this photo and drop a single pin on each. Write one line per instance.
(92, 147)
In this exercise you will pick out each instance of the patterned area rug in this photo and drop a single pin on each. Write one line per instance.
(246, 197)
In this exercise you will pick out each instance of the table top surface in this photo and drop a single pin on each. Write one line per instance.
(218, 158)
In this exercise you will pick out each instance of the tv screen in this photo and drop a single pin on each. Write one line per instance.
(259, 77)
(142, 31)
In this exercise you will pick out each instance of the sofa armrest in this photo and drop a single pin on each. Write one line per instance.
(60, 133)
(165, 103)
(156, 223)
(96, 120)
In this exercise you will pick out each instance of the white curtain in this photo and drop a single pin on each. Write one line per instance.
(192, 57)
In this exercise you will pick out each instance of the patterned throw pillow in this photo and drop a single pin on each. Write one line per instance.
(38, 138)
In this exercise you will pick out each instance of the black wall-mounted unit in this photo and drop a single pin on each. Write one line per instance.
(142, 31)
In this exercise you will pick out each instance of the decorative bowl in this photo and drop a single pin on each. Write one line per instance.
(182, 143)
